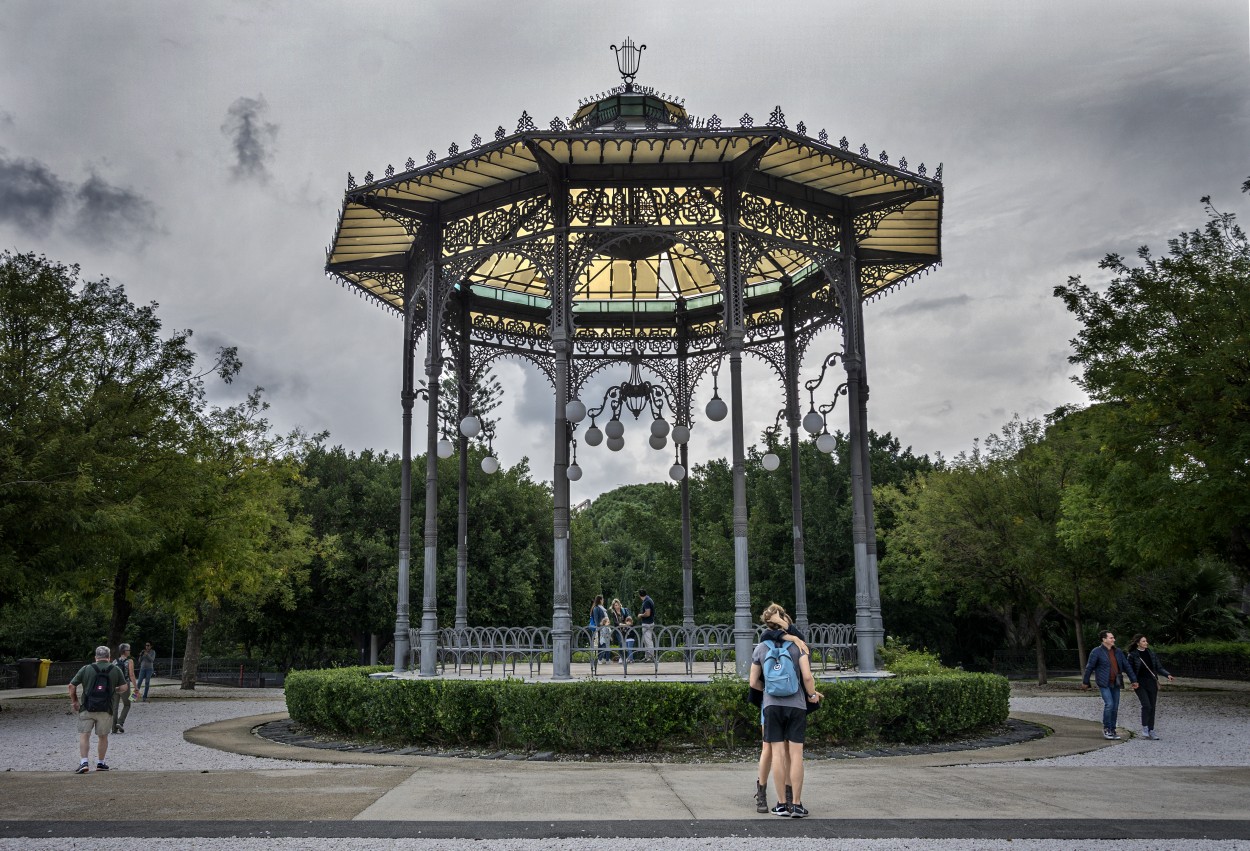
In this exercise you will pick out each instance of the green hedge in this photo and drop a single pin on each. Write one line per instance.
(1224, 660)
(596, 716)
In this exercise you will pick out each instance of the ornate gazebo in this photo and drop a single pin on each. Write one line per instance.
(634, 233)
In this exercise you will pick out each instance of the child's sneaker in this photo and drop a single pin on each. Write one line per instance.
(781, 809)
(798, 811)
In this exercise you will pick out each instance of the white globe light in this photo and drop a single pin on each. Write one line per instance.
(771, 462)
(813, 422)
(827, 443)
(470, 426)
(616, 444)
(574, 472)
(575, 411)
(677, 472)
(717, 410)
(657, 442)
(614, 428)
(445, 448)
(490, 464)
(681, 434)
(594, 436)
(659, 427)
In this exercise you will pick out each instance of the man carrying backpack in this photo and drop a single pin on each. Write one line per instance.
(102, 683)
(783, 671)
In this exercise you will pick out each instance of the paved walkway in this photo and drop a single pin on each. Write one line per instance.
(969, 794)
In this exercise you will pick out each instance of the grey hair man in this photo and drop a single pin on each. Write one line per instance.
(102, 683)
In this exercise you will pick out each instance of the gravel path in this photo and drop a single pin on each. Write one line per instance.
(41, 733)
(1197, 727)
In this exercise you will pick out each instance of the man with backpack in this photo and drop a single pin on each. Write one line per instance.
(102, 682)
(783, 671)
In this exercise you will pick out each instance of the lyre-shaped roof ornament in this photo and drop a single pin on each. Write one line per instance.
(628, 57)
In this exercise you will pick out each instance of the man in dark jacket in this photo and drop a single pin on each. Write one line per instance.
(1107, 662)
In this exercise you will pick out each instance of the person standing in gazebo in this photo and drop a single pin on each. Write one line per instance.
(646, 618)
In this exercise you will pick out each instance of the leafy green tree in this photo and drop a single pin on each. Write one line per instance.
(1165, 348)
(510, 544)
(97, 408)
(983, 531)
(239, 538)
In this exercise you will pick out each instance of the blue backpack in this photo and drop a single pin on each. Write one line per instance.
(781, 679)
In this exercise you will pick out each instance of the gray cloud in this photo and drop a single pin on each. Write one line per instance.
(31, 196)
(930, 305)
(113, 216)
(251, 136)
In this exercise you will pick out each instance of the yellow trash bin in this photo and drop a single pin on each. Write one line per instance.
(44, 666)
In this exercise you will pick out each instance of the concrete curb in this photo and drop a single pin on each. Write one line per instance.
(236, 735)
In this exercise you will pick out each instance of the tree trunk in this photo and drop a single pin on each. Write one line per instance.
(191, 656)
(1076, 625)
(121, 608)
(1039, 645)
(204, 617)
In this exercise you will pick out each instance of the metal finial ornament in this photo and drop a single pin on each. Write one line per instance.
(628, 56)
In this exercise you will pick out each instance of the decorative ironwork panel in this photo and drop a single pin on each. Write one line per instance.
(502, 225)
(772, 218)
(482, 358)
(866, 223)
(675, 206)
(772, 353)
(493, 330)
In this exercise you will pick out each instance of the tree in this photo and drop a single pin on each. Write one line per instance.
(983, 530)
(239, 538)
(1165, 346)
(96, 409)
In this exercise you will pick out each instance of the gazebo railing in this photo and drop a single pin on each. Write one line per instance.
(480, 649)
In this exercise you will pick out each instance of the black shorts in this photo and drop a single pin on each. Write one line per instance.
(785, 724)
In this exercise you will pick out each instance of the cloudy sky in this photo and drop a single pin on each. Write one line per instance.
(198, 152)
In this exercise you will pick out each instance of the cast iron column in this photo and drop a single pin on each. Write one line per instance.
(687, 568)
(462, 523)
(433, 373)
(874, 587)
(562, 344)
(796, 499)
(403, 648)
(735, 334)
(848, 297)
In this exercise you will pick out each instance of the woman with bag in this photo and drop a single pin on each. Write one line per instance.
(1146, 665)
(600, 628)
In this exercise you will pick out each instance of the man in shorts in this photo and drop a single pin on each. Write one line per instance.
(785, 722)
(97, 720)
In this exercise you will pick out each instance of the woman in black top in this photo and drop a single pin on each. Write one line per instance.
(1146, 665)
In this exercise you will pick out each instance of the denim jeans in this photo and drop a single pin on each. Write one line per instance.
(145, 680)
(1110, 706)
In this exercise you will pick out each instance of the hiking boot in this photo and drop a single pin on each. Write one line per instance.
(83, 768)
(99, 766)
(761, 798)
(781, 809)
(798, 811)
